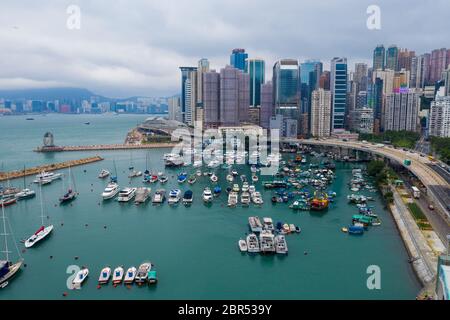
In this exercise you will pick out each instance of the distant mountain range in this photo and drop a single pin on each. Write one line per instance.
(49, 94)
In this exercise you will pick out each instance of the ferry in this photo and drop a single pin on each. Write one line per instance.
(126, 194)
(252, 243)
(110, 191)
(47, 176)
(255, 224)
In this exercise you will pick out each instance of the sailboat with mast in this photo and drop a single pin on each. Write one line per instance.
(71, 193)
(43, 231)
(8, 268)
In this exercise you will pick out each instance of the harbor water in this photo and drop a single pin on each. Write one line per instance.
(194, 249)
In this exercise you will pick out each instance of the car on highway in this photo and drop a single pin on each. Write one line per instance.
(431, 207)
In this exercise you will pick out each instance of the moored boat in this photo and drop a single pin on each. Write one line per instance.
(130, 275)
(111, 190)
(252, 243)
(159, 196)
(281, 244)
(126, 194)
(118, 275)
(188, 197)
(207, 195)
(174, 196)
(242, 245)
(142, 273)
(104, 276)
(142, 195)
(80, 277)
(103, 174)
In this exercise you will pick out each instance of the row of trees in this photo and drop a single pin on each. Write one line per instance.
(401, 139)
(441, 146)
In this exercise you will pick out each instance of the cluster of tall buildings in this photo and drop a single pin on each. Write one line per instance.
(302, 99)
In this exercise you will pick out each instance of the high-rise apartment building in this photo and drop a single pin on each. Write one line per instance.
(405, 59)
(439, 123)
(174, 108)
(402, 112)
(267, 108)
(211, 99)
(186, 96)
(438, 64)
(320, 113)
(338, 86)
(392, 58)
(234, 96)
(360, 77)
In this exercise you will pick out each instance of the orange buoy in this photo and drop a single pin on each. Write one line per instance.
(64, 294)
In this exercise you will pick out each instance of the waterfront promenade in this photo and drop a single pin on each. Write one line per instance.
(48, 167)
(108, 147)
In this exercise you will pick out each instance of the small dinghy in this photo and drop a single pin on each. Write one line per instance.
(255, 178)
(214, 178)
(242, 245)
(105, 274)
(103, 174)
(230, 178)
(118, 275)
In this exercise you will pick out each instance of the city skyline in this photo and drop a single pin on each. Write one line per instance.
(115, 57)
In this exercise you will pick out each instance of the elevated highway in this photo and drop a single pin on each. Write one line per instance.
(438, 187)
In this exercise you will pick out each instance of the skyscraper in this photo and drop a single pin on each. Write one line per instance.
(402, 112)
(211, 99)
(320, 113)
(338, 86)
(234, 96)
(286, 92)
(203, 66)
(310, 72)
(324, 80)
(238, 58)
(266, 111)
(174, 108)
(392, 58)
(185, 75)
(405, 59)
(446, 77)
(438, 64)
(360, 77)
(256, 69)
(379, 55)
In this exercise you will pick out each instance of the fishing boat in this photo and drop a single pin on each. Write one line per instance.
(252, 243)
(43, 231)
(242, 245)
(126, 194)
(7, 268)
(188, 197)
(130, 275)
(80, 277)
(245, 198)
(255, 224)
(105, 275)
(192, 179)
(142, 195)
(267, 242)
(319, 202)
(152, 277)
(301, 204)
(236, 188)
(103, 174)
(281, 244)
(118, 275)
(142, 273)
(245, 187)
(159, 196)
(111, 190)
(182, 177)
(174, 196)
(217, 190)
(232, 199)
(214, 178)
(207, 195)
(230, 178)
(163, 178)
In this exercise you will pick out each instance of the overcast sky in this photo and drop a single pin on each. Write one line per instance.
(131, 47)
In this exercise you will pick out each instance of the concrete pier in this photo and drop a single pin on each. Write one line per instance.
(107, 147)
(48, 167)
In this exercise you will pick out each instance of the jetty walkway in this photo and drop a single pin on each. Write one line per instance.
(47, 167)
(107, 147)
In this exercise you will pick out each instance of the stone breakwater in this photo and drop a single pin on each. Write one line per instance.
(47, 167)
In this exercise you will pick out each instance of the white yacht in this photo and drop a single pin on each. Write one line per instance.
(47, 176)
(268, 224)
(257, 198)
(40, 234)
(105, 274)
(159, 196)
(245, 187)
(230, 178)
(242, 245)
(281, 244)
(103, 174)
(174, 196)
(233, 199)
(118, 275)
(110, 191)
(142, 273)
(236, 188)
(126, 194)
(25, 194)
(252, 243)
(267, 241)
(130, 275)
(207, 195)
(245, 198)
(252, 189)
(80, 277)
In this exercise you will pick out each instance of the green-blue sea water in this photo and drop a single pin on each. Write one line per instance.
(194, 249)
